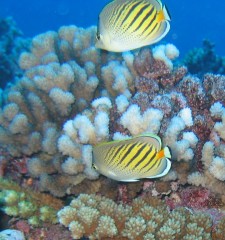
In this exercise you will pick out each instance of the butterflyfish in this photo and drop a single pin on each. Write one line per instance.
(132, 159)
(129, 24)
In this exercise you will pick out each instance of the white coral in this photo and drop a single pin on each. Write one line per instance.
(101, 101)
(152, 120)
(122, 103)
(62, 99)
(159, 54)
(101, 123)
(68, 147)
(87, 160)
(186, 115)
(197, 179)
(85, 128)
(217, 110)
(191, 138)
(69, 130)
(217, 168)
(72, 166)
(19, 124)
(207, 154)
(171, 51)
(220, 127)
(132, 119)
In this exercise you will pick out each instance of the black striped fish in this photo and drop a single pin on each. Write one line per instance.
(132, 159)
(129, 24)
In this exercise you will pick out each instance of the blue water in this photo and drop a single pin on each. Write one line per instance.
(192, 20)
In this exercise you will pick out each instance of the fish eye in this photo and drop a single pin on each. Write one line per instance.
(94, 166)
(98, 36)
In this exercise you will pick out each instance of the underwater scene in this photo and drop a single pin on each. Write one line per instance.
(112, 120)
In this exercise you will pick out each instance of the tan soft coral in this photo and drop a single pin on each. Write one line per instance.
(86, 214)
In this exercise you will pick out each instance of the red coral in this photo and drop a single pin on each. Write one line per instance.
(23, 226)
(193, 197)
(215, 87)
(3, 165)
(20, 165)
(146, 66)
(123, 194)
(5, 158)
(47, 232)
(196, 198)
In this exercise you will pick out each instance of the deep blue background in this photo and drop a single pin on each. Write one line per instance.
(192, 20)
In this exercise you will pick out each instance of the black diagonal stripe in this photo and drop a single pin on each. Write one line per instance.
(145, 18)
(159, 162)
(136, 155)
(109, 153)
(144, 157)
(114, 12)
(147, 162)
(115, 153)
(120, 11)
(139, 14)
(130, 11)
(153, 19)
(130, 147)
(153, 28)
(156, 161)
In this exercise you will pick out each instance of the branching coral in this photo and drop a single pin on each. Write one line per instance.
(213, 154)
(143, 219)
(36, 207)
(62, 77)
(73, 96)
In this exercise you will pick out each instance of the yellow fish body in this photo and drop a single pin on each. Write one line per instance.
(129, 24)
(132, 159)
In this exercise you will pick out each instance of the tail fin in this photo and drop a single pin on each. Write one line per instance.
(166, 13)
(167, 152)
(163, 15)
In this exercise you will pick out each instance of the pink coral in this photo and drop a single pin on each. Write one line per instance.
(3, 164)
(122, 194)
(196, 198)
(20, 165)
(215, 87)
(5, 158)
(23, 226)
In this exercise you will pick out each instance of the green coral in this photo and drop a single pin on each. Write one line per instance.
(37, 208)
(143, 219)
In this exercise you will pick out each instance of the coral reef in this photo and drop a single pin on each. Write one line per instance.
(36, 207)
(213, 154)
(204, 60)
(12, 44)
(73, 96)
(98, 217)
(62, 77)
